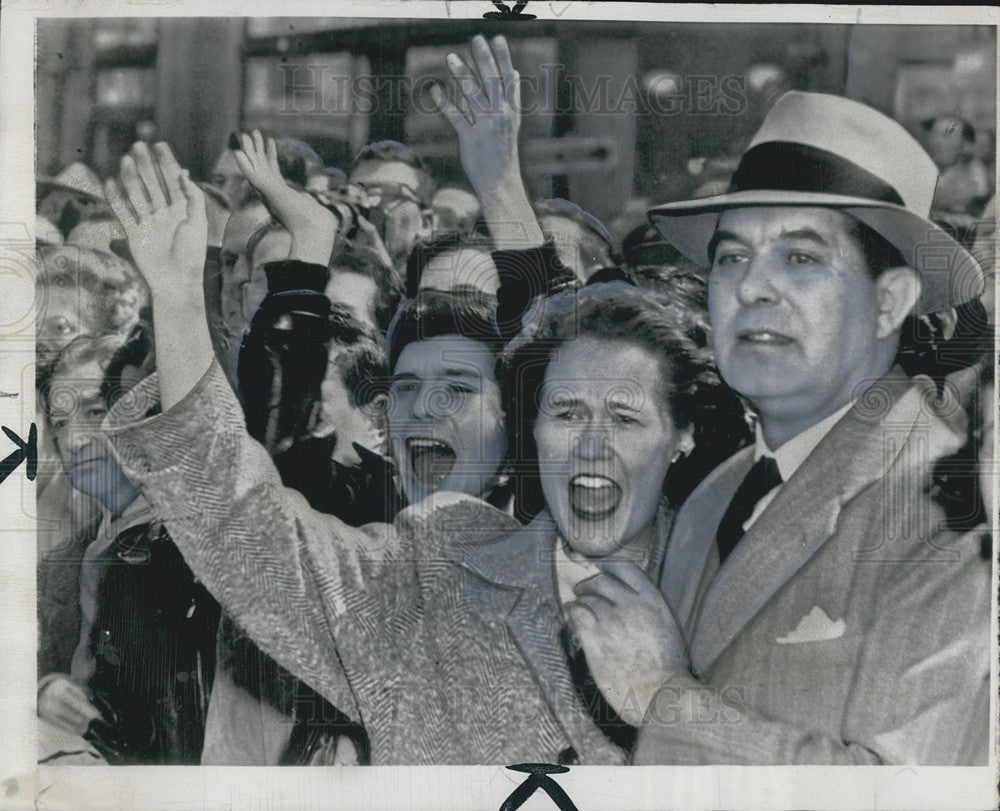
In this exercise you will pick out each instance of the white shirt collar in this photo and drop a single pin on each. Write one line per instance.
(570, 568)
(793, 453)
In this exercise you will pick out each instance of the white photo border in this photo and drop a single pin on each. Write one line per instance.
(23, 783)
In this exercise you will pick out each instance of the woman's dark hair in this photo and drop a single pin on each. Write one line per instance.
(696, 395)
(424, 252)
(433, 313)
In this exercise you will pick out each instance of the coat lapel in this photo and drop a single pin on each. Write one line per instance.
(515, 576)
(691, 546)
(801, 518)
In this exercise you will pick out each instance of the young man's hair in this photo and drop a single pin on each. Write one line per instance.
(435, 313)
(396, 152)
(424, 252)
(362, 369)
(360, 260)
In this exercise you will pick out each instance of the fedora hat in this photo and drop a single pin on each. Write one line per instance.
(815, 149)
(78, 178)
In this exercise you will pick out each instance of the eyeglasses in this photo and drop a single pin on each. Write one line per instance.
(389, 195)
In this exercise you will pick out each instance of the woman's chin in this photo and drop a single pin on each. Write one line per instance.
(584, 541)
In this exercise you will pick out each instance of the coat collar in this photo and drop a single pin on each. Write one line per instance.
(517, 583)
(857, 451)
(517, 578)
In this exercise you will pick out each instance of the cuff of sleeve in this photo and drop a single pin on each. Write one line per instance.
(669, 697)
(532, 266)
(291, 274)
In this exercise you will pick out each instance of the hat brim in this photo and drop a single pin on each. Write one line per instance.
(950, 274)
(47, 184)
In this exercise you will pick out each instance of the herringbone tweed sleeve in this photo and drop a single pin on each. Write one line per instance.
(285, 573)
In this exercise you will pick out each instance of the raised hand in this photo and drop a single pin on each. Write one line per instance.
(629, 636)
(163, 213)
(488, 114)
(487, 119)
(367, 237)
(313, 227)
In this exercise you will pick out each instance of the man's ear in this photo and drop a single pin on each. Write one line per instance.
(898, 290)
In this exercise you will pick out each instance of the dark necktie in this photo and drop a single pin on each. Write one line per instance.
(760, 480)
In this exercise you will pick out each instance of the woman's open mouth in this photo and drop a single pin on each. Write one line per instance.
(593, 497)
(431, 460)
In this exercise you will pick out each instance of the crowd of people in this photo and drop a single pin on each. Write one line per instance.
(342, 467)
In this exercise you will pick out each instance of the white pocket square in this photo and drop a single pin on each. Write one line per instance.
(815, 626)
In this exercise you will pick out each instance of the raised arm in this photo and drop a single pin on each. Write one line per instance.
(487, 119)
(163, 214)
(288, 575)
(314, 229)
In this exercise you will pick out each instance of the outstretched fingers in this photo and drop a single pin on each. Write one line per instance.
(120, 205)
(509, 77)
(486, 64)
(450, 111)
(148, 175)
(194, 196)
(272, 156)
(258, 144)
(134, 188)
(170, 170)
(244, 163)
(249, 151)
(471, 97)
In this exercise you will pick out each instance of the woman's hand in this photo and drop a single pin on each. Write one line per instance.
(63, 702)
(313, 227)
(367, 238)
(487, 119)
(488, 115)
(163, 213)
(629, 636)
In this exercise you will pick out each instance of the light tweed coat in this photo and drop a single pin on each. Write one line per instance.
(848, 626)
(439, 633)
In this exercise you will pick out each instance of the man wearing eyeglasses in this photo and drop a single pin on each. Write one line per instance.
(393, 175)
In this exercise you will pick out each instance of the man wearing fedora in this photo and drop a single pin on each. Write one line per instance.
(813, 608)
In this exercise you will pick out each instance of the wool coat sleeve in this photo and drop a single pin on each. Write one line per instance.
(284, 572)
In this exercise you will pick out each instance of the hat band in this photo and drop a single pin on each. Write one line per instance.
(787, 166)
